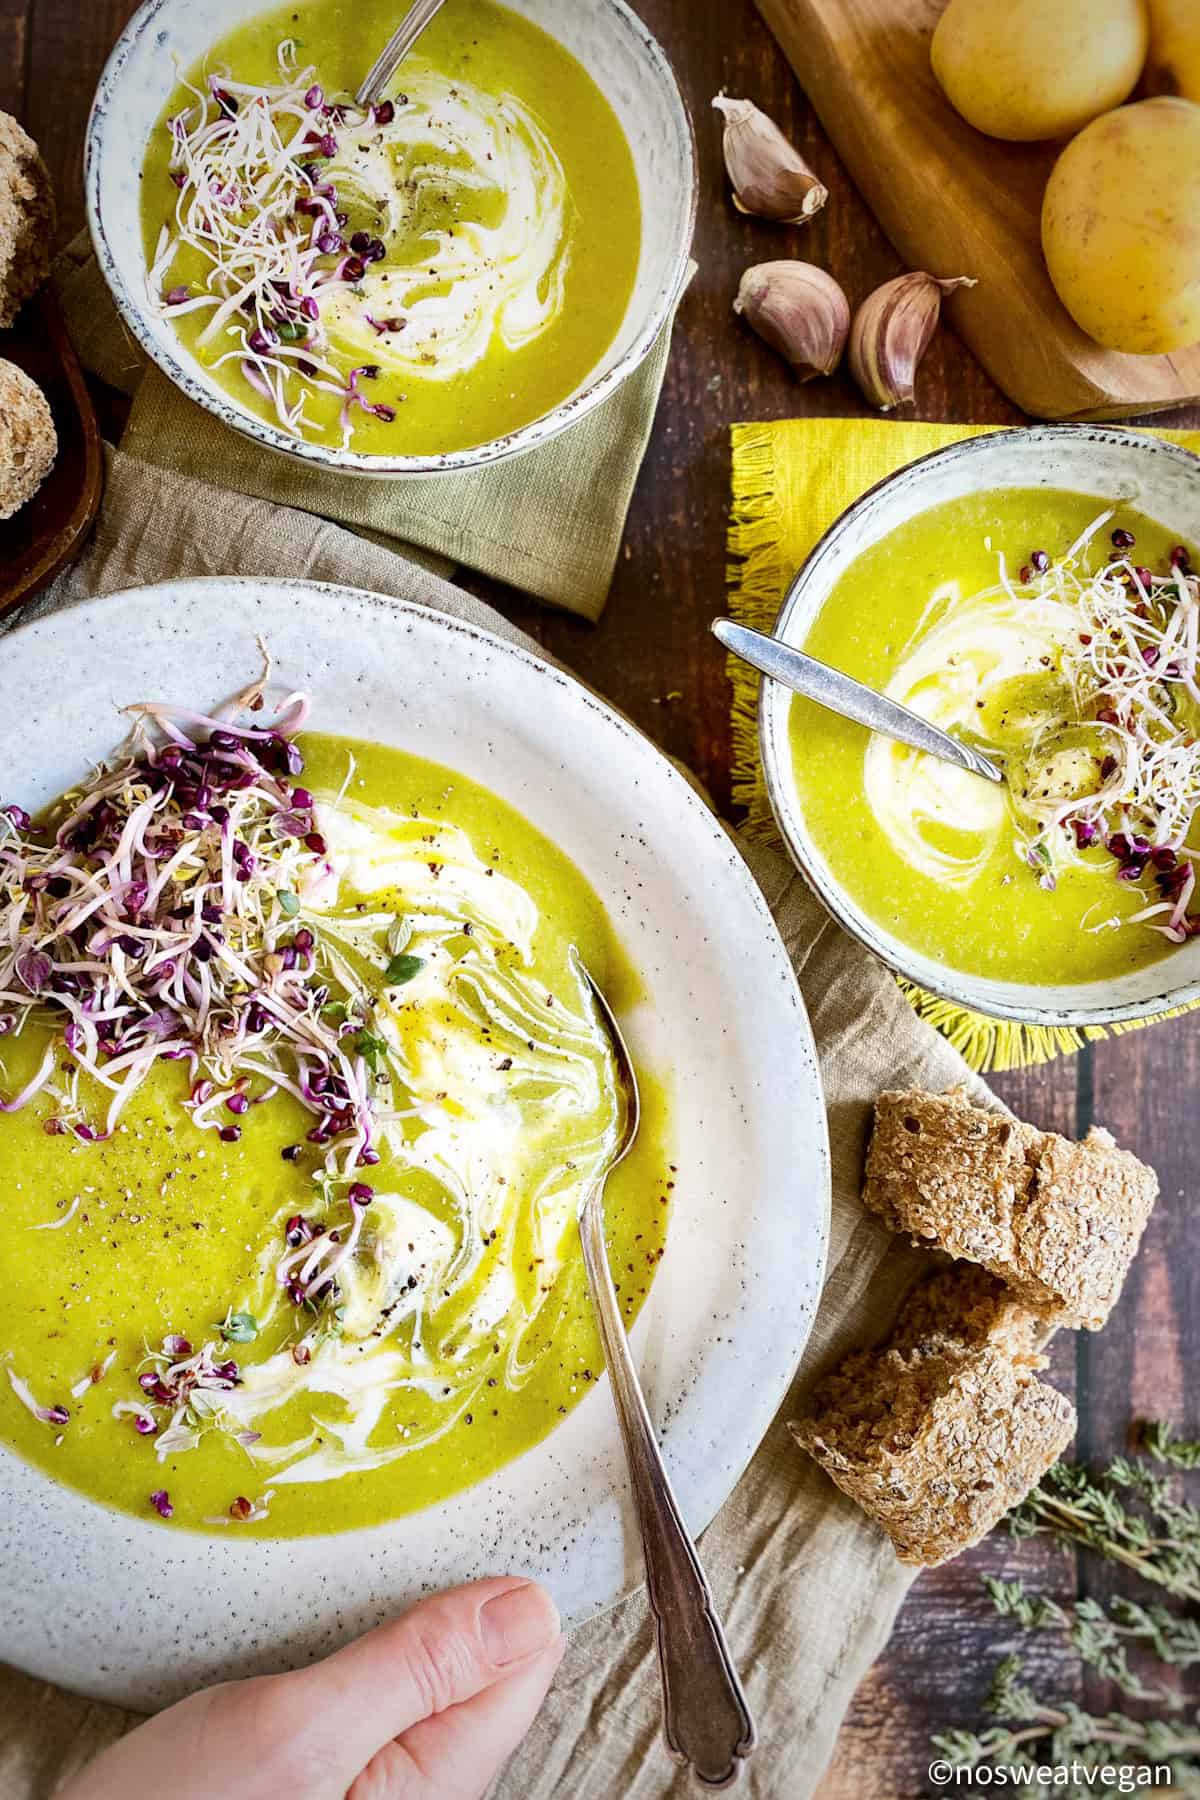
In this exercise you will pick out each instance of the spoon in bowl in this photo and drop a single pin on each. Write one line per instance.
(851, 699)
(395, 50)
(706, 1718)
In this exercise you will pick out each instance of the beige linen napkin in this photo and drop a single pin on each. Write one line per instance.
(807, 1587)
(549, 522)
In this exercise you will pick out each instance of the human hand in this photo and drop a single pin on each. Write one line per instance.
(424, 1708)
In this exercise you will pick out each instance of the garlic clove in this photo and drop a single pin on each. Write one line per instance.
(770, 178)
(891, 333)
(800, 311)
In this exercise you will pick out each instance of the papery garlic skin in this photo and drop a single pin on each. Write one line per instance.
(800, 311)
(771, 180)
(891, 333)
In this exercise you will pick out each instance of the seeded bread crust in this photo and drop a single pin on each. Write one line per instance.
(28, 440)
(27, 217)
(944, 1428)
(966, 1305)
(936, 1449)
(1058, 1223)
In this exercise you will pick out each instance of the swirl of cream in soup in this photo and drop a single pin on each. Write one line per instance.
(506, 1107)
(954, 672)
(470, 188)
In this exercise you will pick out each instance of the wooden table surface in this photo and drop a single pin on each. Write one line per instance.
(653, 643)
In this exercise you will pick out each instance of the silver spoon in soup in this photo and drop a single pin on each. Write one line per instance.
(395, 50)
(851, 699)
(706, 1718)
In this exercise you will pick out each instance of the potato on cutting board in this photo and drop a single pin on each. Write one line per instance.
(1121, 227)
(1173, 65)
(1030, 69)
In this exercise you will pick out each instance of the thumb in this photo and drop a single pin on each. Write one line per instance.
(442, 1653)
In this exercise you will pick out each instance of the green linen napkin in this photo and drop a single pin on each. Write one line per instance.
(549, 522)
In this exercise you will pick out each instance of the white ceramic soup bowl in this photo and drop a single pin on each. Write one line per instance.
(135, 1611)
(1160, 480)
(167, 36)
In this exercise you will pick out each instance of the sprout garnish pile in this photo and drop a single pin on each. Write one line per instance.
(194, 904)
(1120, 768)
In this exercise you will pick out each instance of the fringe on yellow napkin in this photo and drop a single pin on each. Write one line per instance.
(791, 479)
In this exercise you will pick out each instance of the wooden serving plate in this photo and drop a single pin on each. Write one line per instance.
(958, 203)
(50, 531)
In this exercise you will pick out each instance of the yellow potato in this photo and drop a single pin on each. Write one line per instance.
(1173, 66)
(1029, 69)
(1121, 227)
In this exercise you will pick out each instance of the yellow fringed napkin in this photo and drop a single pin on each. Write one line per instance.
(791, 479)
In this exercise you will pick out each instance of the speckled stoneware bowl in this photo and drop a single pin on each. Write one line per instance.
(167, 36)
(140, 1612)
(1160, 480)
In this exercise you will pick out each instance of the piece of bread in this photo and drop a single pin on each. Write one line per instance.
(945, 1428)
(964, 1305)
(1058, 1223)
(28, 440)
(26, 219)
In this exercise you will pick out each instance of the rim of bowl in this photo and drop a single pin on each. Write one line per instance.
(511, 444)
(948, 984)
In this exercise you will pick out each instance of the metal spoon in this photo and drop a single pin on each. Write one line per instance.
(395, 50)
(706, 1718)
(842, 694)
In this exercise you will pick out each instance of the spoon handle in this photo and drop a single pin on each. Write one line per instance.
(707, 1720)
(842, 694)
(395, 50)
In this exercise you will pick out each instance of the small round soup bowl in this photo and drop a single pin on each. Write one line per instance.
(165, 37)
(1163, 482)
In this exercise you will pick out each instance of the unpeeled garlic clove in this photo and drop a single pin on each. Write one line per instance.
(770, 178)
(891, 334)
(800, 311)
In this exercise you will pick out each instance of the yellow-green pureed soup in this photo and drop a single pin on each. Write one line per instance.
(200, 1321)
(1025, 622)
(421, 279)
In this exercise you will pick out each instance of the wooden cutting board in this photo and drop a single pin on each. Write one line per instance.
(958, 203)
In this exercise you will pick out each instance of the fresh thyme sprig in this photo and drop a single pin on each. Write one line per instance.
(1128, 1513)
(1103, 1638)
(1033, 1733)
(1162, 1543)
(1159, 1441)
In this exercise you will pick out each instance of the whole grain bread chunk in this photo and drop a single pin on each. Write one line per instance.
(28, 440)
(26, 219)
(1058, 1223)
(944, 1427)
(965, 1305)
(936, 1447)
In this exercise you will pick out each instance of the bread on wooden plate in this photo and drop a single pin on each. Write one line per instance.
(26, 219)
(1058, 1222)
(944, 1428)
(28, 440)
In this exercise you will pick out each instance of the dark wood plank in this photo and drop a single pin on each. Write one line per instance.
(68, 46)
(14, 36)
(653, 643)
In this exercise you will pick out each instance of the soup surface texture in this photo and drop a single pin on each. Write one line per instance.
(422, 278)
(202, 1321)
(1024, 622)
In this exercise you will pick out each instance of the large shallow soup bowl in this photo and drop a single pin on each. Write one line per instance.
(167, 36)
(138, 1612)
(1160, 480)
